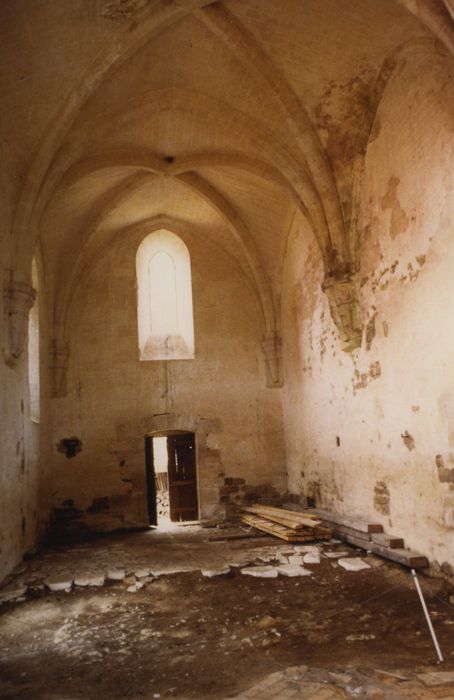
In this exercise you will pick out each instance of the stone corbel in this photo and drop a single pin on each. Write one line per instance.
(59, 360)
(272, 350)
(18, 299)
(342, 294)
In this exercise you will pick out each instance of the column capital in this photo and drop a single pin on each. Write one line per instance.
(342, 292)
(272, 350)
(18, 299)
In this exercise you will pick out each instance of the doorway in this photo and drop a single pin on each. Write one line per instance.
(171, 477)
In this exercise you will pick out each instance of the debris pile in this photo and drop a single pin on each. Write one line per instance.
(285, 524)
(162, 495)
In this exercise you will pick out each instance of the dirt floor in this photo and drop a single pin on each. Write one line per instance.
(187, 636)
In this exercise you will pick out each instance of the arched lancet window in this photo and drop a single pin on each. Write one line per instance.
(33, 350)
(166, 327)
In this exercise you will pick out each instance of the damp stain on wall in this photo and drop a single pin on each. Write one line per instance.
(408, 439)
(382, 498)
(445, 474)
(399, 219)
(362, 379)
(370, 331)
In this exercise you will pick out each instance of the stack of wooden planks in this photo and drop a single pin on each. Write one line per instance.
(285, 524)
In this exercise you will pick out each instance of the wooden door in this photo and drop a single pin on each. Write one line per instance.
(182, 477)
(151, 482)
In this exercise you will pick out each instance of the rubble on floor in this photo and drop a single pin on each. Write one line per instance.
(437, 678)
(293, 570)
(296, 524)
(261, 571)
(353, 564)
(211, 573)
(187, 635)
(303, 683)
(70, 570)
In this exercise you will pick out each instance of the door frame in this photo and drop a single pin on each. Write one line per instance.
(128, 448)
(168, 433)
(151, 482)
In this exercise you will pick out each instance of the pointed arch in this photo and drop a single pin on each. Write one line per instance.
(164, 298)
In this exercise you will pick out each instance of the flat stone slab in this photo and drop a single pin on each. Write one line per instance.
(283, 549)
(142, 573)
(353, 564)
(260, 571)
(237, 564)
(335, 555)
(92, 580)
(211, 573)
(116, 574)
(311, 558)
(296, 559)
(434, 678)
(292, 570)
(64, 584)
(170, 571)
(282, 558)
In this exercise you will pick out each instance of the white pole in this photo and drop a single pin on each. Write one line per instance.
(429, 621)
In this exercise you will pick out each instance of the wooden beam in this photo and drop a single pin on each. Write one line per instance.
(345, 520)
(385, 540)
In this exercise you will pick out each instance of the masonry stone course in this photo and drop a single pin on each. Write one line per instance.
(301, 153)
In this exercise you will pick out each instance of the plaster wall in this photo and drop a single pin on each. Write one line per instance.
(24, 459)
(114, 399)
(371, 433)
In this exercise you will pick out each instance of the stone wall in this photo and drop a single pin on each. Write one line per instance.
(371, 432)
(114, 399)
(24, 457)
(234, 123)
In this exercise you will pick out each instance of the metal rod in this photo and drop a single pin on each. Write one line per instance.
(429, 621)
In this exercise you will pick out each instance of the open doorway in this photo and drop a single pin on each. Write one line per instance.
(171, 477)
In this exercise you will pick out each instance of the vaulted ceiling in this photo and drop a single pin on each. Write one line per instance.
(226, 118)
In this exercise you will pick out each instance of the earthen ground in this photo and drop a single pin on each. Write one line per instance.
(186, 636)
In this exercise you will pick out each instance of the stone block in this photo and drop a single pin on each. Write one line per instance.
(212, 573)
(293, 570)
(59, 584)
(311, 558)
(260, 571)
(116, 574)
(353, 564)
(90, 580)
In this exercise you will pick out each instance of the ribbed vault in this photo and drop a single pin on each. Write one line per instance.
(228, 117)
